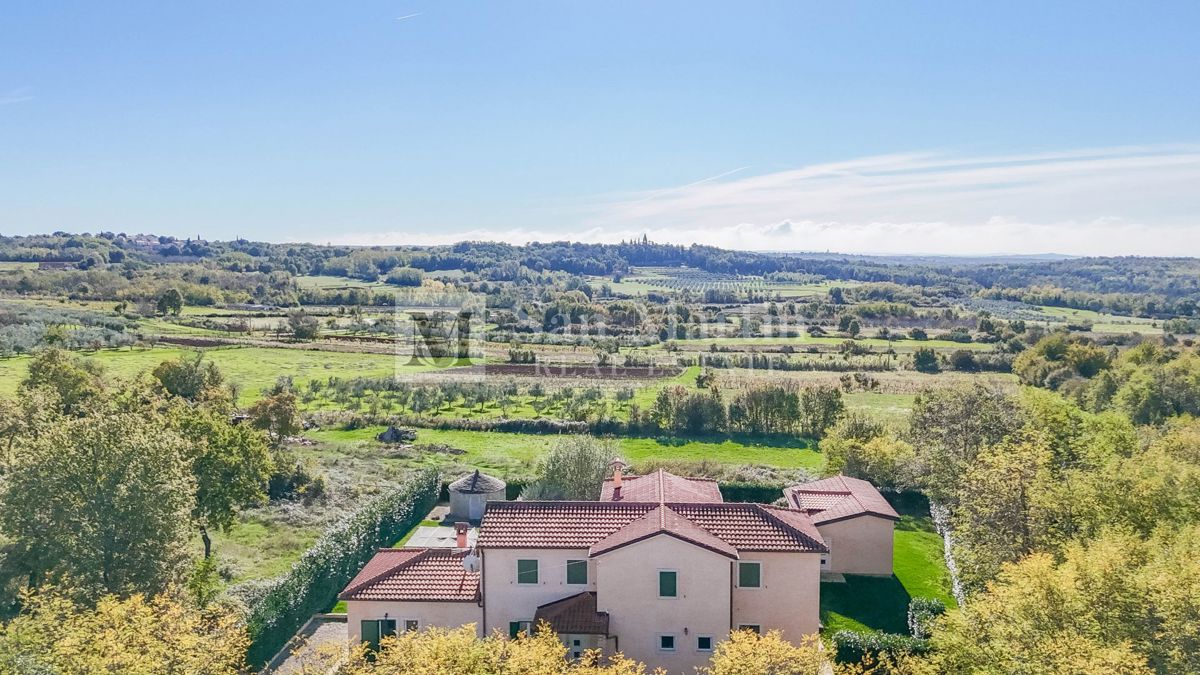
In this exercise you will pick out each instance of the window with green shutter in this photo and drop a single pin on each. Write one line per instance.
(668, 583)
(749, 575)
(577, 572)
(515, 628)
(527, 571)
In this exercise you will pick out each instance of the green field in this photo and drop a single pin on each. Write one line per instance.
(320, 282)
(253, 369)
(1103, 323)
(874, 603)
(508, 454)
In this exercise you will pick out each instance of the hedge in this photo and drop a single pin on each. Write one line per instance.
(921, 614)
(758, 493)
(851, 646)
(314, 581)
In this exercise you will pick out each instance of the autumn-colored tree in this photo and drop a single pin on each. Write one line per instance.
(1116, 604)
(748, 653)
(277, 415)
(134, 636)
(460, 651)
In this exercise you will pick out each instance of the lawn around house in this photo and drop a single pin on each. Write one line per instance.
(866, 603)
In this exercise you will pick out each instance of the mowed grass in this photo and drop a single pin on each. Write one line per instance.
(512, 454)
(1104, 323)
(253, 369)
(866, 603)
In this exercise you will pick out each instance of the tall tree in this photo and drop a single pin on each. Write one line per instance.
(230, 465)
(75, 381)
(103, 499)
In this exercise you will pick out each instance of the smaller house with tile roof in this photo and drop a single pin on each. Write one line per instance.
(854, 520)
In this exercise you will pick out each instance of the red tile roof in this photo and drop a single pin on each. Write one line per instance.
(579, 525)
(662, 520)
(662, 486)
(838, 498)
(421, 574)
(574, 615)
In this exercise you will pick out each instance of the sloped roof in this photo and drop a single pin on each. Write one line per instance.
(662, 520)
(575, 614)
(477, 483)
(838, 498)
(580, 525)
(662, 486)
(424, 574)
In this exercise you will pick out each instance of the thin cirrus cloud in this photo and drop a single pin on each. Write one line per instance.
(15, 96)
(1108, 201)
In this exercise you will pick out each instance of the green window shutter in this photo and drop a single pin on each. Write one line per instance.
(667, 584)
(514, 629)
(370, 633)
(749, 575)
(527, 571)
(577, 572)
(387, 627)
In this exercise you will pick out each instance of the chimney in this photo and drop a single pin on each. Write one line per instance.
(460, 534)
(617, 466)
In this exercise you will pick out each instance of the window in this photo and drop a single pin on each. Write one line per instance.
(668, 583)
(576, 649)
(752, 627)
(527, 571)
(666, 643)
(515, 628)
(577, 572)
(410, 625)
(749, 575)
(704, 643)
(373, 630)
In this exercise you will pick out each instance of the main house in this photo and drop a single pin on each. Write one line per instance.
(660, 567)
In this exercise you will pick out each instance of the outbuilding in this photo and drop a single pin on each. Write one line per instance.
(470, 494)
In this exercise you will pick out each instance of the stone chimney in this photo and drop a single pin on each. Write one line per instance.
(460, 534)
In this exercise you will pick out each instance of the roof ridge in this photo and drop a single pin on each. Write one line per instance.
(662, 493)
(767, 510)
(403, 564)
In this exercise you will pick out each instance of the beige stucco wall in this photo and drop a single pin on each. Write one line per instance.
(789, 598)
(441, 614)
(861, 545)
(628, 591)
(506, 600)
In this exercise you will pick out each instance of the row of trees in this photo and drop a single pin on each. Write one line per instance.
(765, 409)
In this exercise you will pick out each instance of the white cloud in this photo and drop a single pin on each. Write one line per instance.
(15, 96)
(1108, 201)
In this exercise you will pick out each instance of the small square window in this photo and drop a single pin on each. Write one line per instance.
(527, 571)
(749, 575)
(704, 643)
(668, 583)
(752, 627)
(577, 572)
(666, 643)
(410, 625)
(515, 628)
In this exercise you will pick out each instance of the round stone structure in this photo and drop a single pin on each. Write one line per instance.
(470, 494)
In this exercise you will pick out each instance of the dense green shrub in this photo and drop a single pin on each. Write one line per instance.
(851, 646)
(921, 613)
(285, 603)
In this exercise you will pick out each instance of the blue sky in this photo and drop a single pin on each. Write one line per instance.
(942, 127)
